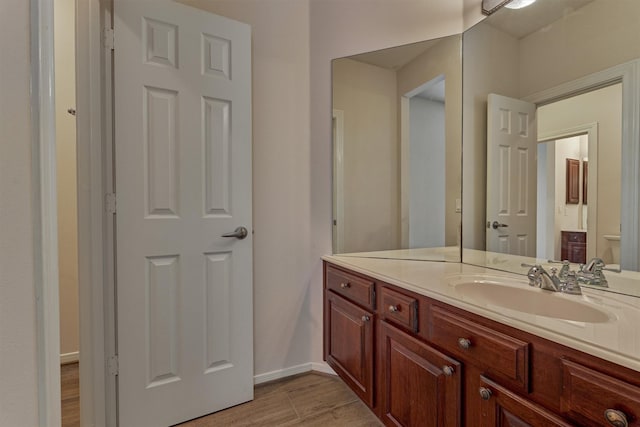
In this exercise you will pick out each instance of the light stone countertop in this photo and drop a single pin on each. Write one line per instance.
(616, 340)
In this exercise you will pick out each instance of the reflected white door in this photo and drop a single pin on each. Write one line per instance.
(511, 176)
(183, 178)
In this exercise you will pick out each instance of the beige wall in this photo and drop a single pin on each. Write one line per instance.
(293, 43)
(543, 60)
(64, 37)
(341, 28)
(369, 99)
(18, 381)
(284, 257)
(482, 76)
(603, 106)
(603, 34)
(444, 58)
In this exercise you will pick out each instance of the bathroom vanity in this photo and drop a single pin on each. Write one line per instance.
(421, 346)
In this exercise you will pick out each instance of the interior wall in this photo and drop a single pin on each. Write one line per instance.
(18, 387)
(283, 255)
(444, 58)
(482, 76)
(64, 44)
(341, 28)
(427, 180)
(368, 96)
(603, 34)
(293, 43)
(603, 106)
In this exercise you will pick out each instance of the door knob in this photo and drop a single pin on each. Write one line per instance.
(495, 225)
(238, 233)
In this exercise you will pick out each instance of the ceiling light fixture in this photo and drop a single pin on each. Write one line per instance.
(518, 4)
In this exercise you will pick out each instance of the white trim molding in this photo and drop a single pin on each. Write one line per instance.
(67, 358)
(629, 75)
(45, 218)
(292, 370)
(95, 232)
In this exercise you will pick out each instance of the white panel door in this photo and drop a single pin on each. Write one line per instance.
(183, 179)
(511, 176)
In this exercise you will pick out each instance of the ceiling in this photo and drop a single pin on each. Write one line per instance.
(396, 57)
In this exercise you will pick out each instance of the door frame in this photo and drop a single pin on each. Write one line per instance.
(628, 74)
(338, 181)
(95, 233)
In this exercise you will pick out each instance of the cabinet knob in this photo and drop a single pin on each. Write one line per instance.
(365, 318)
(448, 370)
(464, 343)
(616, 418)
(393, 308)
(345, 285)
(485, 393)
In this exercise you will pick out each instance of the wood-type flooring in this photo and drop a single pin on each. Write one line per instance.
(310, 399)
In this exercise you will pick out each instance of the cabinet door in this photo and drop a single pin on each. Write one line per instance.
(419, 386)
(349, 344)
(503, 408)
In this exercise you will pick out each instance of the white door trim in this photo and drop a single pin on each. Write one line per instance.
(629, 75)
(95, 232)
(45, 218)
(98, 408)
(338, 181)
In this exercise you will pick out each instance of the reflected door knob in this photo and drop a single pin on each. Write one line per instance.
(495, 225)
(238, 233)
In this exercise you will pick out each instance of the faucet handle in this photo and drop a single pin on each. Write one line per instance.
(595, 264)
(571, 285)
(534, 273)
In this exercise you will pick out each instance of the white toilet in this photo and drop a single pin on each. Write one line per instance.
(614, 244)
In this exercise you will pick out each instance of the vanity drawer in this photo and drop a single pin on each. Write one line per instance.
(497, 354)
(587, 394)
(575, 236)
(354, 288)
(398, 308)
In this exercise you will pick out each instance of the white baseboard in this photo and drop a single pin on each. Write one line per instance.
(69, 357)
(293, 370)
(323, 367)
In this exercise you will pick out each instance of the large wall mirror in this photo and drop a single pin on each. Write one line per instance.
(551, 135)
(397, 119)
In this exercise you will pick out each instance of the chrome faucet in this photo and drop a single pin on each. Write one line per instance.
(540, 278)
(565, 282)
(592, 273)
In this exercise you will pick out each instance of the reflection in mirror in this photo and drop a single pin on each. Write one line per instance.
(397, 152)
(550, 135)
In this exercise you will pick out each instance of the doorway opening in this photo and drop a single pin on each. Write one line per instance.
(579, 177)
(67, 209)
(423, 129)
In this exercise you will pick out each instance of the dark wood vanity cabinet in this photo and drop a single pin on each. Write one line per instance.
(501, 407)
(573, 246)
(419, 386)
(349, 344)
(419, 362)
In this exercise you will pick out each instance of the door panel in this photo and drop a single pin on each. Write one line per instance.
(183, 178)
(511, 176)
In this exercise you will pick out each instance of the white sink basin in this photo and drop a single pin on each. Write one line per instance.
(517, 295)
